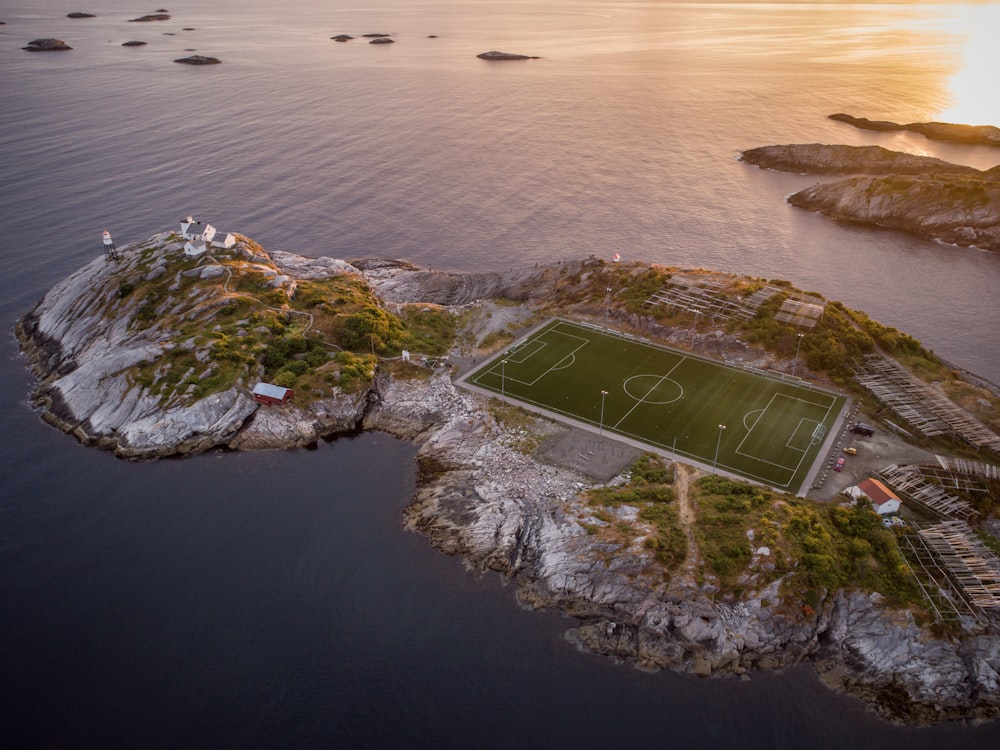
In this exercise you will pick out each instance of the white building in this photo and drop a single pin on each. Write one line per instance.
(201, 237)
(883, 500)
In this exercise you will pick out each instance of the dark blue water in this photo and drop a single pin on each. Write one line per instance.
(273, 600)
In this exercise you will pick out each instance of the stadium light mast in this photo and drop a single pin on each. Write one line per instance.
(795, 362)
(503, 381)
(600, 429)
(718, 443)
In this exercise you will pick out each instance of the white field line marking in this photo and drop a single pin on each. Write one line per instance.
(651, 389)
(559, 365)
(758, 412)
(793, 469)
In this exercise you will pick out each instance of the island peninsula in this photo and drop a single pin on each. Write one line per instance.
(925, 196)
(154, 350)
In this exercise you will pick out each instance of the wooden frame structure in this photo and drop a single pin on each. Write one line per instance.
(703, 297)
(911, 484)
(973, 569)
(920, 404)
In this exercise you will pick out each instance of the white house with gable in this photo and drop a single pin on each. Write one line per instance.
(200, 237)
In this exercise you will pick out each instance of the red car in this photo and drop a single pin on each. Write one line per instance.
(839, 466)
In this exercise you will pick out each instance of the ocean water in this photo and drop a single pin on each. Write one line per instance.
(274, 600)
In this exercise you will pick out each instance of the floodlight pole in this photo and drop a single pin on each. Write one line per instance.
(503, 380)
(795, 362)
(600, 429)
(718, 443)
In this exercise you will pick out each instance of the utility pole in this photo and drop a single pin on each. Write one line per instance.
(600, 429)
(718, 443)
(795, 362)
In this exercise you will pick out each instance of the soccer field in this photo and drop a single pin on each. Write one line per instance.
(706, 411)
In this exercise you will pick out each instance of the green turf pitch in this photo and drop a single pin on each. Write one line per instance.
(668, 399)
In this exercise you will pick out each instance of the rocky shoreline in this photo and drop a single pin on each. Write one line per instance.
(480, 495)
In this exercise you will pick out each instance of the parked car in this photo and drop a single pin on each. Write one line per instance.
(839, 466)
(863, 429)
(851, 450)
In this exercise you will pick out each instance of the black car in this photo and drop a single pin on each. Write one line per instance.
(863, 429)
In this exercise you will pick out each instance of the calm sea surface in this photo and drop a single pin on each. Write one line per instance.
(274, 600)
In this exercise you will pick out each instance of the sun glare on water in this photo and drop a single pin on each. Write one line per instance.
(974, 87)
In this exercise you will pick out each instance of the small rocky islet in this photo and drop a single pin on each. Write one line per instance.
(47, 45)
(154, 352)
(198, 60)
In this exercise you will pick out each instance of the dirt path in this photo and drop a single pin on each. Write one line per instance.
(685, 577)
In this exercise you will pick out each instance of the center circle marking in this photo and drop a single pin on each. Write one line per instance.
(653, 389)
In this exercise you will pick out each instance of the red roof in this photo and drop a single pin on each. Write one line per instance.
(877, 492)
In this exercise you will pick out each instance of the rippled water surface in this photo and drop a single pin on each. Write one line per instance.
(274, 600)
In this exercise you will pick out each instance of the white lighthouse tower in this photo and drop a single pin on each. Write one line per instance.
(110, 251)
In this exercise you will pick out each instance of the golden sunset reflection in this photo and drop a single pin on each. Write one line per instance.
(974, 86)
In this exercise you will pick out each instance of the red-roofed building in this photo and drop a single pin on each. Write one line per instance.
(884, 500)
(265, 393)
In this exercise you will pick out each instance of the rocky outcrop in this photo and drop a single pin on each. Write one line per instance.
(133, 43)
(396, 281)
(976, 135)
(494, 55)
(90, 339)
(952, 210)
(47, 45)
(80, 14)
(151, 17)
(342, 38)
(901, 671)
(930, 197)
(819, 158)
(382, 40)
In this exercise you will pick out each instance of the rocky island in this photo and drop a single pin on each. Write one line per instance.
(926, 196)
(973, 135)
(153, 350)
(47, 45)
(495, 55)
(198, 60)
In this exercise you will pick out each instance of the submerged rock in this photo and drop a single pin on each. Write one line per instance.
(382, 40)
(151, 17)
(133, 43)
(342, 38)
(78, 14)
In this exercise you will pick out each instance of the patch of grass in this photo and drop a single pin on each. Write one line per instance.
(650, 492)
(428, 329)
(824, 548)
(494, 341)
